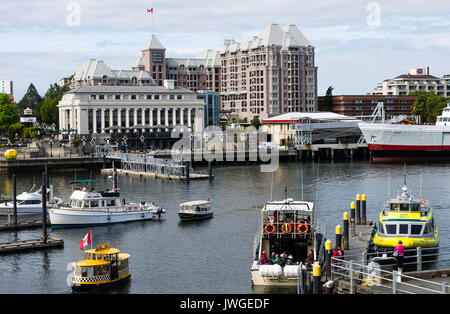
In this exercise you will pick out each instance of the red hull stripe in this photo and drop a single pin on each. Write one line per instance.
(408, 147)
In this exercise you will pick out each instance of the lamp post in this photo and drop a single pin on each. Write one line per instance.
(125, 140)
(142, 141)
(51, 146)
(84, 144)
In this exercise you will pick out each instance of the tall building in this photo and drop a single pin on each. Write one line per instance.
(266, 75)
(6, 86)
(418, 79)
(212, 107)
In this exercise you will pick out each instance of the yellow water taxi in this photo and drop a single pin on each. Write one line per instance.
(407, 219)
(104, 266)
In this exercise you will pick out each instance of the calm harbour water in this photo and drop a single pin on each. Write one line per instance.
(215, 255)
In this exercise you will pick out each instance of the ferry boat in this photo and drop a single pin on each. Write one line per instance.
(90, 208)
(195, 210)
(407, 219)
(287, 232)
(103, 267)
(30, 203)
(403, 142)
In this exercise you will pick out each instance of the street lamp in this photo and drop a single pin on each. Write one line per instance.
(84, 144)
(142, 141)
(51, 151)
(92, 147)
(125, 140)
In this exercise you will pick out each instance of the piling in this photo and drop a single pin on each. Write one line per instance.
(352, 219)
(44, 208)
(328, 254)
(363, 210)
(187, 169)
(346, 235)
(316, 278)
(210, 174)
(338, 236)
(15, 198)
(358, 209)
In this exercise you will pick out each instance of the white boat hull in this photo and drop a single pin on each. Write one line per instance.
(22, 210)
(77, 218)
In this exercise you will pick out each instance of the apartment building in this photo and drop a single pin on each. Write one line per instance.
(418, 79)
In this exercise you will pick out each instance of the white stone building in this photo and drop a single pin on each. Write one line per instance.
(6, 86)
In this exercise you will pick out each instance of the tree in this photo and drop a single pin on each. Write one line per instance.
(49, 110)
(428, 106)
(31, 100)
(256, 123)
(328, 103)
(8, 113)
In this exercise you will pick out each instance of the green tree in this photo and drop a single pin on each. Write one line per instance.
(15, 128)
(328, 100)
(428, 106)
(256, 122)
(49, 111)
(31, 100)
(8, 113)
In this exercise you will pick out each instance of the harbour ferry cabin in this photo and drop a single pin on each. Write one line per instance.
(103, 266)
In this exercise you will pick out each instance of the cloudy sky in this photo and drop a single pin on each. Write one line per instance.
(358, 43)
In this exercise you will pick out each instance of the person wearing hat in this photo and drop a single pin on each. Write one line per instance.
(400, 249)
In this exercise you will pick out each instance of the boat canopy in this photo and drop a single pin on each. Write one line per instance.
(289, 205)
(195, 203)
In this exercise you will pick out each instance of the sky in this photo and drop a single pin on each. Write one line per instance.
(358, 43)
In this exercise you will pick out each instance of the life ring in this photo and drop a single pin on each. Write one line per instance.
(423, 203)
(286, 226)
(270, 225)
(299, 228)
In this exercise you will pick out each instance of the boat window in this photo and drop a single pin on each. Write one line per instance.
(101, 270)
(393, 207)
(415, 207)
(403, 229)
(391, 229)
(94, 203)
(110, 203)
(416, 229)
(85, 204)
(404, 207)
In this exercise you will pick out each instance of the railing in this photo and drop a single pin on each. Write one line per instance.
(385, 281)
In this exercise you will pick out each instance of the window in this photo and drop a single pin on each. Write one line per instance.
(94, 203)
(391, 229)
(416, 229)
(415, 207)
(404, 207)
(403, 229)
(117, 97)
(393, 207)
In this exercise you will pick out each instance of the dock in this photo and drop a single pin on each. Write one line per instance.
(22, 225)
(354, 274)
(30, 245)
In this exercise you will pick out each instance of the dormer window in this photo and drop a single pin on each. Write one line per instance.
(105, 79)
(134, 80)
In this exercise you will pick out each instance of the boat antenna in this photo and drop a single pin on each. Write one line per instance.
(271, 187)
(404, 174)
(285, 193)
(389, 183)
(301, 171)
(420, 187)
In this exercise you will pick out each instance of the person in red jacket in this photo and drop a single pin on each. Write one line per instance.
(263, 259)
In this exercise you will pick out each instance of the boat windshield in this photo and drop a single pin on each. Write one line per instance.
(404, 207)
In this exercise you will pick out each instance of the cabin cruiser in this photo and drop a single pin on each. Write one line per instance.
(30, 203)
(407, 219)
(287, 234)
(90, 208)
(195, 210)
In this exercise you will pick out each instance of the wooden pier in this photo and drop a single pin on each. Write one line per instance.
(22, 225)
(30, 245)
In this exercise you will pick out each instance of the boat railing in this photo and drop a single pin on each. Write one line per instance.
(284, 229)
(113, 209)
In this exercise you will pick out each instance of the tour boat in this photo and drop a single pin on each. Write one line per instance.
(103, 267)
(407, 219)
(88, 208)
(390, 142)
(195, 210)
(30, 203)
(287, 230)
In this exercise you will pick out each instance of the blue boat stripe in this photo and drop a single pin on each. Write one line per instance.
(419, 220)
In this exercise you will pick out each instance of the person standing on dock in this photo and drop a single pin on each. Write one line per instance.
(399, 252)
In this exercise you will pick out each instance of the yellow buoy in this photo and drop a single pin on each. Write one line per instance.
(11, 154)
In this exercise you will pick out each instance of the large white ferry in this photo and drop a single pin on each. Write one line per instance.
(409, 142)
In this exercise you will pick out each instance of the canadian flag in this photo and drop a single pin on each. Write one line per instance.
(150, 10)
(86, 240)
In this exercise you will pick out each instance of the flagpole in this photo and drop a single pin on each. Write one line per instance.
(92, 239)
(153, 22)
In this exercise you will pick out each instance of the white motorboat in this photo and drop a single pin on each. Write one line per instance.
(90, 208)
(30, 203)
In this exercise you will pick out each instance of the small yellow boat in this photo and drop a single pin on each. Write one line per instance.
(409, 220)
(104, 266)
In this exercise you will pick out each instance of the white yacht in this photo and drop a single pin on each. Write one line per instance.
(90, 208)
(30, 203)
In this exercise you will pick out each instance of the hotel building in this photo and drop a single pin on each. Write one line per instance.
(266, 75)
(416, 80)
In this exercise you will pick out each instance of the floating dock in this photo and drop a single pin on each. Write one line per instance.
(21, 225)
(30, 245)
